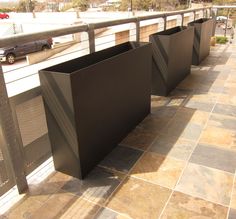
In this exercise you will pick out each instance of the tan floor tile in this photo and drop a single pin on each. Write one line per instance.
(158, 169)
(208, 97)
(138, 199)
(139, 138)
(232, 78)
(191, 115)
(25, 208)
(50, 186)
(183, 206)
(80, 209)
(153, 124)
(207, 183)
(218, 137)
(227, 99)
(55, 206)
(230, 84)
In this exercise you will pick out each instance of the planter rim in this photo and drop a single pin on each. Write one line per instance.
(140, 44)
(193, 23)
(186, 28)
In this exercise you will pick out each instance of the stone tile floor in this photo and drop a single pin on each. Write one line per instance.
(178, 163)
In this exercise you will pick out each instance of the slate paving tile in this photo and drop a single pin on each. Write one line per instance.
(214, 157)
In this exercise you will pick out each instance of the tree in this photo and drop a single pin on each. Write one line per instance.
(81, 4)
(26, 6)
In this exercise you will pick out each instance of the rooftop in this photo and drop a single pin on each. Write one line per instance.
(178, 163)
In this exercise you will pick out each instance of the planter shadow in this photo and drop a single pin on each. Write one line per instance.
(171, 58)
(93, 102)
(203, 30)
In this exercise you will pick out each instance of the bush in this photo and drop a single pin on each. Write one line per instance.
(221, 39)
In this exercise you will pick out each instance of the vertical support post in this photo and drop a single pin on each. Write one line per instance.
(137, 23)
(165, 21)
(11, 141)
(214, 12)
(182, 21)
(91, 38)
(194, 15)
(204, 13)
(226, 23)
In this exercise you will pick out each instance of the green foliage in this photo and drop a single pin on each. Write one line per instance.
(67, 7)
(151, 4)
(81, 4)
(221, 39)
(3, 10)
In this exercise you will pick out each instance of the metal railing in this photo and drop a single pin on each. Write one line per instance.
(90, 28)
(18, 150)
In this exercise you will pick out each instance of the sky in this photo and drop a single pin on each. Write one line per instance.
(8, 1)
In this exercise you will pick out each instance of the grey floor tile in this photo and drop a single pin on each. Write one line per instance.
(226, 122)
(105, 213)
(206, 183)
(121, 159)
(200, 105)
(173, 147)
(96, 187)
(214, 157)
(225, 109)
(232, 214)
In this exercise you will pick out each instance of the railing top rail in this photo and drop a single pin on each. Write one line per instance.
(29, 37)
(224, 6)
(171, 13)
(23, 38)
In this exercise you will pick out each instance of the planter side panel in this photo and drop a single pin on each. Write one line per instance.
(111, 98)
(202, 38)
(59, 109)
(180, 57)
(172, 55)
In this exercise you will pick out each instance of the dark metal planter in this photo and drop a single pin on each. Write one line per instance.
(93, 102)
(202, 39)
(171, 58)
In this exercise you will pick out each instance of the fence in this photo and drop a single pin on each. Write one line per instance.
(24, 142)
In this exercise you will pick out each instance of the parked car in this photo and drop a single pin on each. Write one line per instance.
(10, 54)
(4, 16)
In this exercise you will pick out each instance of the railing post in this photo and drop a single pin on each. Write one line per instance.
(8, 135)
(214, 12)
(204, 13)
(194, 15)
(137, 23)
(182, 17)
(91, 38)
(226, 23)
(165, 21)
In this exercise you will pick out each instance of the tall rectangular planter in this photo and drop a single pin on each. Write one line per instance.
(202, 39)
(93, 102)
(171, 58)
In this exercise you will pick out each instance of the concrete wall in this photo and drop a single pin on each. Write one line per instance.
(171, 23)
(145, 31)
(121, 37)
(186, 20)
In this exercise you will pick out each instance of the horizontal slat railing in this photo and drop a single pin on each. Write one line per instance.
(23, 38)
